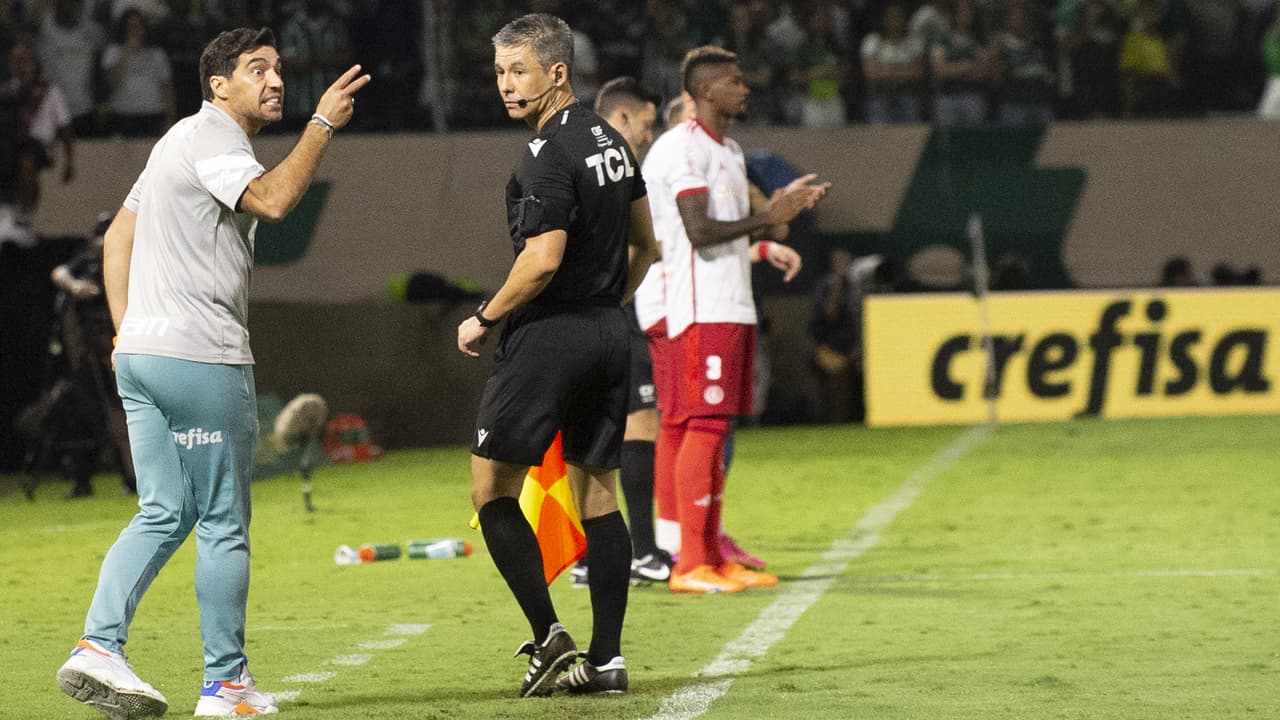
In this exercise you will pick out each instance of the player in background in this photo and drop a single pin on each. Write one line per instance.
(632, 110)
(650, 303)
(701, 213)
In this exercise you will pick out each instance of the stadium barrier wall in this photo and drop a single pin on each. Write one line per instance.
(1060, 355)
(1122, 197)
(385, 205)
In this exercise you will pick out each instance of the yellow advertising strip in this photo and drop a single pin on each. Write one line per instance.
(1059, 355)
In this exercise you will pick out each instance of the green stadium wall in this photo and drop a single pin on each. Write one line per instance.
(1093, 205)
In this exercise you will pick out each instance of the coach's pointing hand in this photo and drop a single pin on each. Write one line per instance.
(339, 102)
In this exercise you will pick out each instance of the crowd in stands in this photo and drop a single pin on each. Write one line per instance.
(129, 67)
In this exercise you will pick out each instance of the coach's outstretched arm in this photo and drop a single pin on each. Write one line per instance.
(275, 194)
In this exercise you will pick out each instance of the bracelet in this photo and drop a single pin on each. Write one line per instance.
(480, 318)
(322, 121)
(763, 249)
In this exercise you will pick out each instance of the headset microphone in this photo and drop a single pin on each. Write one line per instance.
(524, 102)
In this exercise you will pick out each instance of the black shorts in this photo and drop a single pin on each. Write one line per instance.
(557, 368)
(641, 395)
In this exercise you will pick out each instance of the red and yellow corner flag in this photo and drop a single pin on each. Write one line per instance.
(547, 503)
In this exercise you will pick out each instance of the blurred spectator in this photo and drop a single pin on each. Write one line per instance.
(471, 95)
(893, 65)
(664, 47)
(1012, 271)
(1088, 34)
(86, 333)
(929, 22)
(42, 118)
(183, 33)
(763, 63)
(1025, 86)
(961, 68)
(1177, 272)
(619, 35)
(315, 49)
(819, 71)
(783, 29)
(1269, 106)
(386, 37)
(1226, 275)
(1149, 82)
(140, 78)
(152, 10)
(70, 43)
(10, 17)
(835, 326)
(1217, 68)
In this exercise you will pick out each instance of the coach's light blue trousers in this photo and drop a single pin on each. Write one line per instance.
(193, 428)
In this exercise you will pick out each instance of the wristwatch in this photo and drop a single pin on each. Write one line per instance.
(480, 318)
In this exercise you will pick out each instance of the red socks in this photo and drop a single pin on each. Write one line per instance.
(699, 487)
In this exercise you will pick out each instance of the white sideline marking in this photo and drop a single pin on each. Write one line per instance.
(406, 629)
(990, 577)
(350, 660)
(297, 628)
(773, 622)
(314, 677)
(381, 644)
(400, 632)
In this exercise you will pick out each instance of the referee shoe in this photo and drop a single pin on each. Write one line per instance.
(587, 679)
(546, 661)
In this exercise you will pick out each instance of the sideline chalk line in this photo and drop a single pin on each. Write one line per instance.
(713, 680)
(396, 635)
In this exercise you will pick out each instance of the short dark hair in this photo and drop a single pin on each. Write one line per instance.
(701, 57)
(223, 52)
(548, 36)
(624, 91)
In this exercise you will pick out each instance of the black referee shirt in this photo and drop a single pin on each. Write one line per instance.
(577, 175)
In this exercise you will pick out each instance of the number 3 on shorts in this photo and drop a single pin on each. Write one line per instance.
(713, 367)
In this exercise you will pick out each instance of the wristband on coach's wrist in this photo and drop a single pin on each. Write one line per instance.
(322, 121)
(480, 318)
(763, 250)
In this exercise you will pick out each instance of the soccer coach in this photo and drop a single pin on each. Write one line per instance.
(583, 240)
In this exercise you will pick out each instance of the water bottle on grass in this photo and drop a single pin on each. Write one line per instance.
(439, 548)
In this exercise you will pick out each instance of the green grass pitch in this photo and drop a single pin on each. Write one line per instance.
(1090, 569)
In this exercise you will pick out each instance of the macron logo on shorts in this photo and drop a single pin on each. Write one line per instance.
(197, 436)
(481, 434)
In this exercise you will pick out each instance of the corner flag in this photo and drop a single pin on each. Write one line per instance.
(547, 503)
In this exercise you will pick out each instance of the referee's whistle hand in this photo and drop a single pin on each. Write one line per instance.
(470, 331)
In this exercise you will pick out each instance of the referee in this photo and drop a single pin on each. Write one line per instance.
(583, 240)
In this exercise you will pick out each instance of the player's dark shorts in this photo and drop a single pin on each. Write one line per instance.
(642, 395)
(557, 368)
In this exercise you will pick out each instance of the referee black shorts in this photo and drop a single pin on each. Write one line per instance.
(641, 395)
(557, 368)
